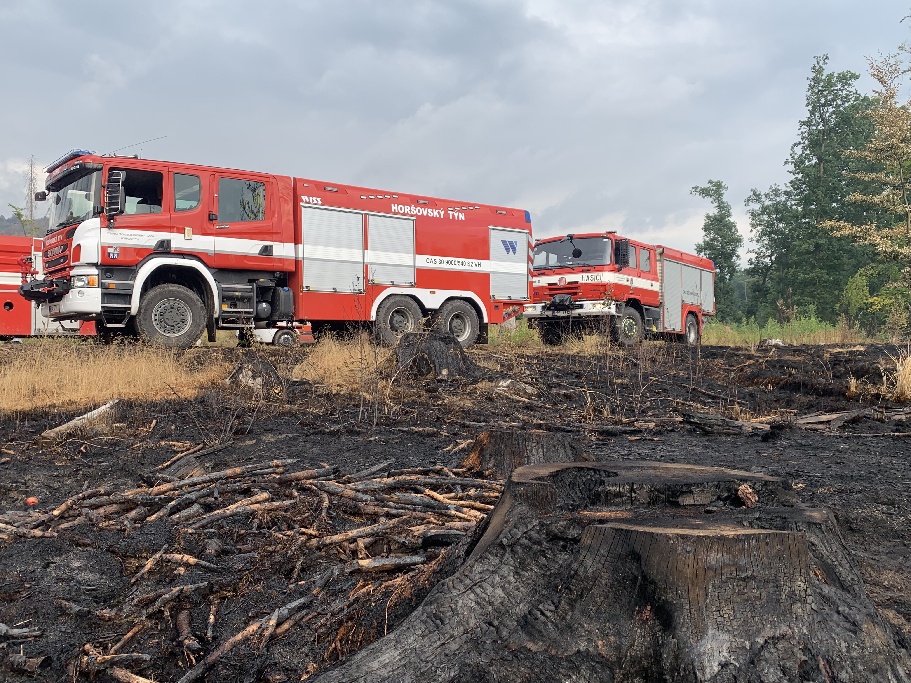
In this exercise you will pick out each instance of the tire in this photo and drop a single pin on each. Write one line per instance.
(286, 339)
(459, 319)
(396, 316)
(172, 316)
(552, 332)
(691, 336)
(628, 329)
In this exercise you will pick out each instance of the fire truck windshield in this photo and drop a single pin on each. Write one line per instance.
(596, 251)
(75, 201)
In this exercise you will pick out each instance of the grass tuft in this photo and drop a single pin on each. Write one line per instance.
(343, 365)
(898, 386)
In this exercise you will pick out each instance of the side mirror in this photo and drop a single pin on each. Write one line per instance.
(41, 196)
(621, 253)
(113, 194)
(577, 253)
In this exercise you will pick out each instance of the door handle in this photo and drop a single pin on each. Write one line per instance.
(223, 226)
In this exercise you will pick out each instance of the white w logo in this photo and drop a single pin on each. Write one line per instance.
(510, 246)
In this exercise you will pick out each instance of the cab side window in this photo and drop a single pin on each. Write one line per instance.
(632, 256)
(142, 191)
(241, 201)
(645, 260)
(186, 192)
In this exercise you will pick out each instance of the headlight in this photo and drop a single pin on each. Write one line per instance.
(84, 281)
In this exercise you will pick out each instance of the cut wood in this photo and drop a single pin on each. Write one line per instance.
(78, 422)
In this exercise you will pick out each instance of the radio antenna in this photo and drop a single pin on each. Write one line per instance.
(135, 144)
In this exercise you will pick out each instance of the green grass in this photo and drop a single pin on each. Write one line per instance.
(518, 335)
(802, 330)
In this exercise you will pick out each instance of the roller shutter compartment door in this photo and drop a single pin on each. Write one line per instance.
(333, 250)
(508, 264)
(390, 250)
(673, 297)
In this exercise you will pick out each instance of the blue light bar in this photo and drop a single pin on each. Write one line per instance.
(72, 154)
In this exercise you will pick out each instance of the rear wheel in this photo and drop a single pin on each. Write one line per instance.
(396, 316)
(459, 319)
(171, 315)
(691, 332)
(285, 338)
(628, 329)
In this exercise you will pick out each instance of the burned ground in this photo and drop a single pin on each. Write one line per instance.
(111, 563)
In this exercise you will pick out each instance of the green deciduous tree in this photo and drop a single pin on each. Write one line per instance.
(796, 264)
(721, 243)
(30, 226)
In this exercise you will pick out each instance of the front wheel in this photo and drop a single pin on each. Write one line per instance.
(552, 332)
(628, 329)
(459, 319)
(396, 316)
(171, 315)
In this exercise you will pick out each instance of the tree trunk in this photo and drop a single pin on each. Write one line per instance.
(497, 452)
(640, 572)
(437, 353)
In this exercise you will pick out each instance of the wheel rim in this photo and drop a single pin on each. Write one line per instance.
(401, 321)
(285, 339)
(172, 317)
(458, 326)
(628, 328)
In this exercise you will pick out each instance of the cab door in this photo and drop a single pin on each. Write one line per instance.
(245, 222)
(190, 227)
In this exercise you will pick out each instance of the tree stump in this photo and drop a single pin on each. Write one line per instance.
(256, 376)
(437, 353)
(497, 452)
(641, 572)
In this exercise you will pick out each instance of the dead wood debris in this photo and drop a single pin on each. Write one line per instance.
(375, 527)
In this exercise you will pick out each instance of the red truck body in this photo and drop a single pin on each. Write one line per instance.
(129, 239)
(630, 288)
(20, 317)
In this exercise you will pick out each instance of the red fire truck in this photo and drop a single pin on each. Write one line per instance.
(18, 316)
(629, 288)
(166, 251)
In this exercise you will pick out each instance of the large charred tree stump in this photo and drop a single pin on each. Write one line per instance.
(644, 572)
(497, 452)
(437, 353)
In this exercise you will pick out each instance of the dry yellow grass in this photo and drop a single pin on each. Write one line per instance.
(64, 373)
(898, 386)
(344, 365)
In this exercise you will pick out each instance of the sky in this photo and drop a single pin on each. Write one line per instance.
(591, 115)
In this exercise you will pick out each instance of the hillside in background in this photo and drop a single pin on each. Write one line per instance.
(12, 226)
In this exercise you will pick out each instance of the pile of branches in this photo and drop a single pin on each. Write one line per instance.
(366, 536)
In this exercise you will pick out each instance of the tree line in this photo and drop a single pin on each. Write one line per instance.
(834, 241)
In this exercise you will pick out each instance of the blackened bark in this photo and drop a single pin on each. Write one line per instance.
(640, 572)
(497, 452)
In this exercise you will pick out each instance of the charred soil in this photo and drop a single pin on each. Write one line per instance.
(264, 531)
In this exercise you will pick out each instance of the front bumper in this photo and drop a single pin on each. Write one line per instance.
(44, 291)
(546, 310)
(72, 303)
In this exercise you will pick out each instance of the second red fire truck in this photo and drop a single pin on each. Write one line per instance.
(167, 251)
(628, 288)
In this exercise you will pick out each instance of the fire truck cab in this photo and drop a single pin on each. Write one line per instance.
(602, 281)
